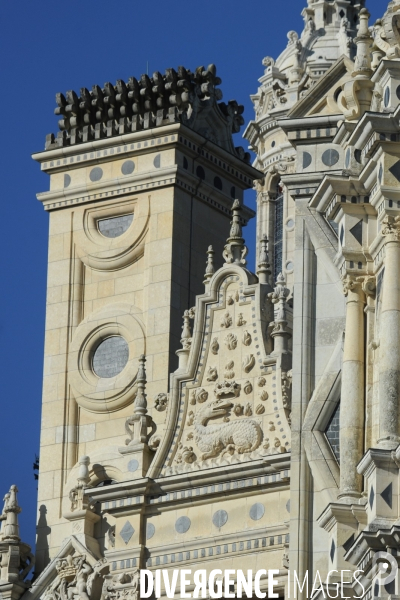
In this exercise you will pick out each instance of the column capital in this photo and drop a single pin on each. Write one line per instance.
(391, 228)
(365, 284)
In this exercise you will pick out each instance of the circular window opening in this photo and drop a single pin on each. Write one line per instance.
(110, 357)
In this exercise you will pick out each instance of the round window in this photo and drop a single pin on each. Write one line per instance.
(110, 357)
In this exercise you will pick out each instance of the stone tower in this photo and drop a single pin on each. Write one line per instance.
(328, 37)
(142, 179)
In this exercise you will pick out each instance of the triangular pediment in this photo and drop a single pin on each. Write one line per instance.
(228, 407)
(50, 579)
(322, 98)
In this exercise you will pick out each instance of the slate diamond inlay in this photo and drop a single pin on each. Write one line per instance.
(387, 495)
(127, 532)
(333, 550)
(371, 497)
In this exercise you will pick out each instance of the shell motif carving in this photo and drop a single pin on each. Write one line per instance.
(190, 418)
(248, 363)
(261, 381)
(212, 374)
(215, 346)
(264, 395)
(231, 341)
(248, 388)
(246, 338)
(260, 410)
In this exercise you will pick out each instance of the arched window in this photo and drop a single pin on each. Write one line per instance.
(278, 232)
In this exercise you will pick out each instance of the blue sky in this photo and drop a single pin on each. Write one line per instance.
(48, 47)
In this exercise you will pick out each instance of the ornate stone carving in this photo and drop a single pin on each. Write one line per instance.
(231, 341)
(154, 442)
(78, 579)
(248, 387)
(124, 586)
(226, 320)
(369, 286)
(240, 320)
(241, 436)
(246, 338)
(357, 94)
(264, 395)
(235, 250)
(227, 389)
(186, 455)
(391, 228)
(77, 494)
(229, 373)
(248, 411)
(210, 270)
(260, 410)
(215, 346)
(287, 390)
(248, 363)
(16, 558)
(161, 402)
(238, 410)
(212, 374)
(137, 425)
(199, 395)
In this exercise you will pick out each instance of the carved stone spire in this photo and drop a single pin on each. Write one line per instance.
(186, 339)
(16, 559)
(210, 270)
(11, 510)
(263, 261)
(362, 65)
(235, 249)
(357, 94)
(137, 426)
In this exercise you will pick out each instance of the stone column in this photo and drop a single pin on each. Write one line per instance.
(352, 408)
(389, 368)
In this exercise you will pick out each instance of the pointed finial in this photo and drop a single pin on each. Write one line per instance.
(235, 249)
(263, 261)
(140, 404)
(210, 270)
(186, 333)
(10, 530)
(362, 63)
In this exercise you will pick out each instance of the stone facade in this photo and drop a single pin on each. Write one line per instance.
(264, 430)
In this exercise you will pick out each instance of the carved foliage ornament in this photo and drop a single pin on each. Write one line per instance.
(391, 228)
